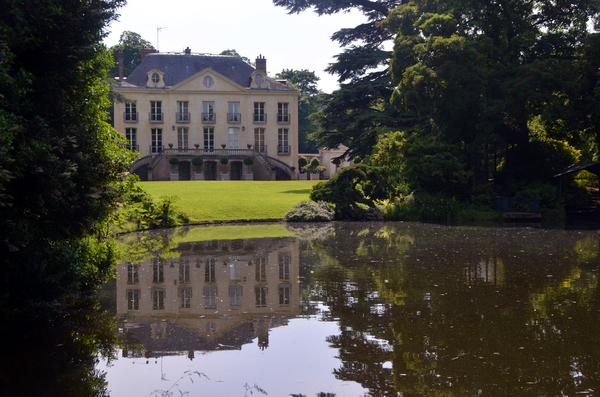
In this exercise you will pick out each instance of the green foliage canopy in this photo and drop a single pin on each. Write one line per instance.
(131, 44)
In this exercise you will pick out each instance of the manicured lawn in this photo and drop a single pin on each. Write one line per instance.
(214, 201)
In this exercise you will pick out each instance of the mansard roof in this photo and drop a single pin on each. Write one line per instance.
(178, 67)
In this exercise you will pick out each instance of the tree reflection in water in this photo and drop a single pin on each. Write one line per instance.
(462, 311)
(55, 354)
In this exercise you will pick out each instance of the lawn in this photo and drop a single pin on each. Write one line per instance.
(215, 201)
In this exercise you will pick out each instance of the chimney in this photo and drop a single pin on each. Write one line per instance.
(188, 51)
(146, 51)
(121, 66)
(261, 64)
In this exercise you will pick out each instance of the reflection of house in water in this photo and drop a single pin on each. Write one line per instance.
(217, 295)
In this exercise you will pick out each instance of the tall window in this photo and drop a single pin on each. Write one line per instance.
(184, 273)
(131, 112)
(210, 297)
(158, 299)
(283, 142)
(284, 266)
(209, 138)
(208, 112)
(183, 115)
(260, 295)
(261, 268)
(283, 114)
(185, 298)
(235, 295)
(156, 111)
(158, 271)
(133, 274)
(133, 299)
(235, 271)
(284, 294)
(233, 113)
(234, 138)
(131, 135)
(259, 112)
(182, 137)
(210, 272)
(259, 140)
(156, 140)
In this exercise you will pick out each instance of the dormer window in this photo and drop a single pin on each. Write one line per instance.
(155, 78)
(258, 79)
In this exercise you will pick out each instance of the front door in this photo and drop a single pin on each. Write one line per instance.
(236, 170)
(210, 170)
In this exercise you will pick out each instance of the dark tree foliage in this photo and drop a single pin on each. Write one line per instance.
(359, 111)
(304, 81)
(60, 160)
(131, 44)
(351, 187)
(237, 54)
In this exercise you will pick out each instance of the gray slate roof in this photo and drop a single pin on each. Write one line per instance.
(179, 67)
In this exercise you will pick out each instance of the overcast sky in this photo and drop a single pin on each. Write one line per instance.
(252, 27)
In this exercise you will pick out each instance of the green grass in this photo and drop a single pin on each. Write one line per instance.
(219, 201)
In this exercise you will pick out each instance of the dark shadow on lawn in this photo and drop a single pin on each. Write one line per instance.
(301, 191)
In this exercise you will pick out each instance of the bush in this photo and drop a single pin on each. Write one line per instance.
(224, 160)
(308, 211)
(173, 160)
(302, 162)
(248, 160)
(197, 161)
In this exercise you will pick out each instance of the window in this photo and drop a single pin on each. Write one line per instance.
(183, 115)
(234, 138)
(182, 137)
(156, 138)
(235, 271)
(259, 140)
(284, 294)
(156, 112)
(208, 82)
(210, 271)
(133, 299)
(155, 78)
(158, 271)
(184, 273)
(131, 112)
(259, 112)
(131, 135)
(260, 294)
(283, 115)
(209, 138)
(133, 274)
(208, 112)
(261, 268)
(233, 114)
(158, 299)
(258, 79)
(283, 141)
(185, 298)
(284, 266)
(235, 296)
(210, 297)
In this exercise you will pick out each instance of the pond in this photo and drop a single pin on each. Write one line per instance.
(352, 309)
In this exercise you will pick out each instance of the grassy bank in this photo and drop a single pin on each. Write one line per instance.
(216, 201)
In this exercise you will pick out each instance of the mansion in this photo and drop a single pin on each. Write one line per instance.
(242, 124)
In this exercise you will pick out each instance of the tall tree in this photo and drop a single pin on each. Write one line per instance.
(60, 160)
(131, 44)
(357, 113)
(237, 54)
(304, 81)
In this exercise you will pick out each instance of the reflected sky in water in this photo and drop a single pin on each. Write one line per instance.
(357, 309)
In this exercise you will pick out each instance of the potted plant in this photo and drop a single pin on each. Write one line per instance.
(197, 161)
(248, 160)
(173, 160)
(224, 160)
(302, 162)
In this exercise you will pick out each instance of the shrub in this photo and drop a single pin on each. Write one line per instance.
(174, 160)
(308, 211)
(302, 162)
(224, 160)
(197, 161)
(248, 160)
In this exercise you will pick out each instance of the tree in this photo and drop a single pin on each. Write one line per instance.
(131, 44)
(61, 162)
(235, 53)
(304, 81)
(477, 74)
(357, 113)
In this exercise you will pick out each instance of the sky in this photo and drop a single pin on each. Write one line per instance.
(252, 27)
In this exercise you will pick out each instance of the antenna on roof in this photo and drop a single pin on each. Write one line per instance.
(158, 29)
